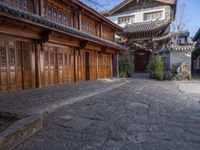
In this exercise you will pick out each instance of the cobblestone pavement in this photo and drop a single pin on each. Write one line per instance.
(141, 115)
(32, 101)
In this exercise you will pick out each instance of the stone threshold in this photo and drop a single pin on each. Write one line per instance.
(20, 131)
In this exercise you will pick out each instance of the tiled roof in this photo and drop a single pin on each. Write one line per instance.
(126, 2)
(181, 48)
(197, 36)
(145, 26)
(20, 14)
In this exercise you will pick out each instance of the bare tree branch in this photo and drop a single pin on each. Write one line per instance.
(180, 22)
(99, 5)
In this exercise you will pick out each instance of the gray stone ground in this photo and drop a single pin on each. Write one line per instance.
(140, 115)
(38, 100)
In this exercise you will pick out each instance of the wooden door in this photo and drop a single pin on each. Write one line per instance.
(49, 65)
(3, 67)
(87, 66)
(141, 61)
(59, 66)
(68, 65)
(11, 65)
(80, 65)
(27, 77)
(15, 65)
(93, 66)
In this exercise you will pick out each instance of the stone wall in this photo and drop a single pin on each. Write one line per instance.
(181, 57)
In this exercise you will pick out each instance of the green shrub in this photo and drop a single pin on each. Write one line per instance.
(173, 69)
(156, 67)
(125, 68)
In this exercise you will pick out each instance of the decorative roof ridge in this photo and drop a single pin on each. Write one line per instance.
(13, 11)
(146, 22)
(181, 48)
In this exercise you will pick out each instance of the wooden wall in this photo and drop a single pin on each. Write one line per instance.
(26, 64)
(33, 57)
(68, 14)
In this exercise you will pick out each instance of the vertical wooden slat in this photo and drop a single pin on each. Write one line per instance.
(41, 8)
(79, 19)
(38, 65)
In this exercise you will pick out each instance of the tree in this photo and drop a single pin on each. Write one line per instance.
(180, 22)
(101, 5)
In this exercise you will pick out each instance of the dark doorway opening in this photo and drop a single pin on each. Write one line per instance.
(141, 61)
(87, 66)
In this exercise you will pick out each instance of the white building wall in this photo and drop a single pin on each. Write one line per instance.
(139, 14)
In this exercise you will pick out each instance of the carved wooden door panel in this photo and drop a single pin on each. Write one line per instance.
(26, 52)
(52, 66)
(59, 66)
(108, 71)
(68, 55)
(11, 65)
(82, 66)
(66, 66)
(71, 65)
(49, 65)
(100, 65)
(19, 65)
(93, 66)
(3, 67)
(46, 66)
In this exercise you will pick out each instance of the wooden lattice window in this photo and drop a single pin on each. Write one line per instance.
(23, 4)
(52, 58)
(60, 59)
(58, 13)
(46, 55)
(2, 53)
(153, 16)
(11, 52)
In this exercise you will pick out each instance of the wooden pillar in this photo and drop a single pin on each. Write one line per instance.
(97, 65)
(38, 64)
(118, 65)
(76, 78)
(111, 64)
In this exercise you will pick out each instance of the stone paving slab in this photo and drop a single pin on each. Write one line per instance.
(141, 115)
(38, 101)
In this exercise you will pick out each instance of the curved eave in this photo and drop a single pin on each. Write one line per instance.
(146, 30)
(17, 14)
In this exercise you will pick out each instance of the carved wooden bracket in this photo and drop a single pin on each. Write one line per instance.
(83, 44)
(104, 49)
(45, 36)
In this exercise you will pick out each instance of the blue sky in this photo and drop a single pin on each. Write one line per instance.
(192, 14)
